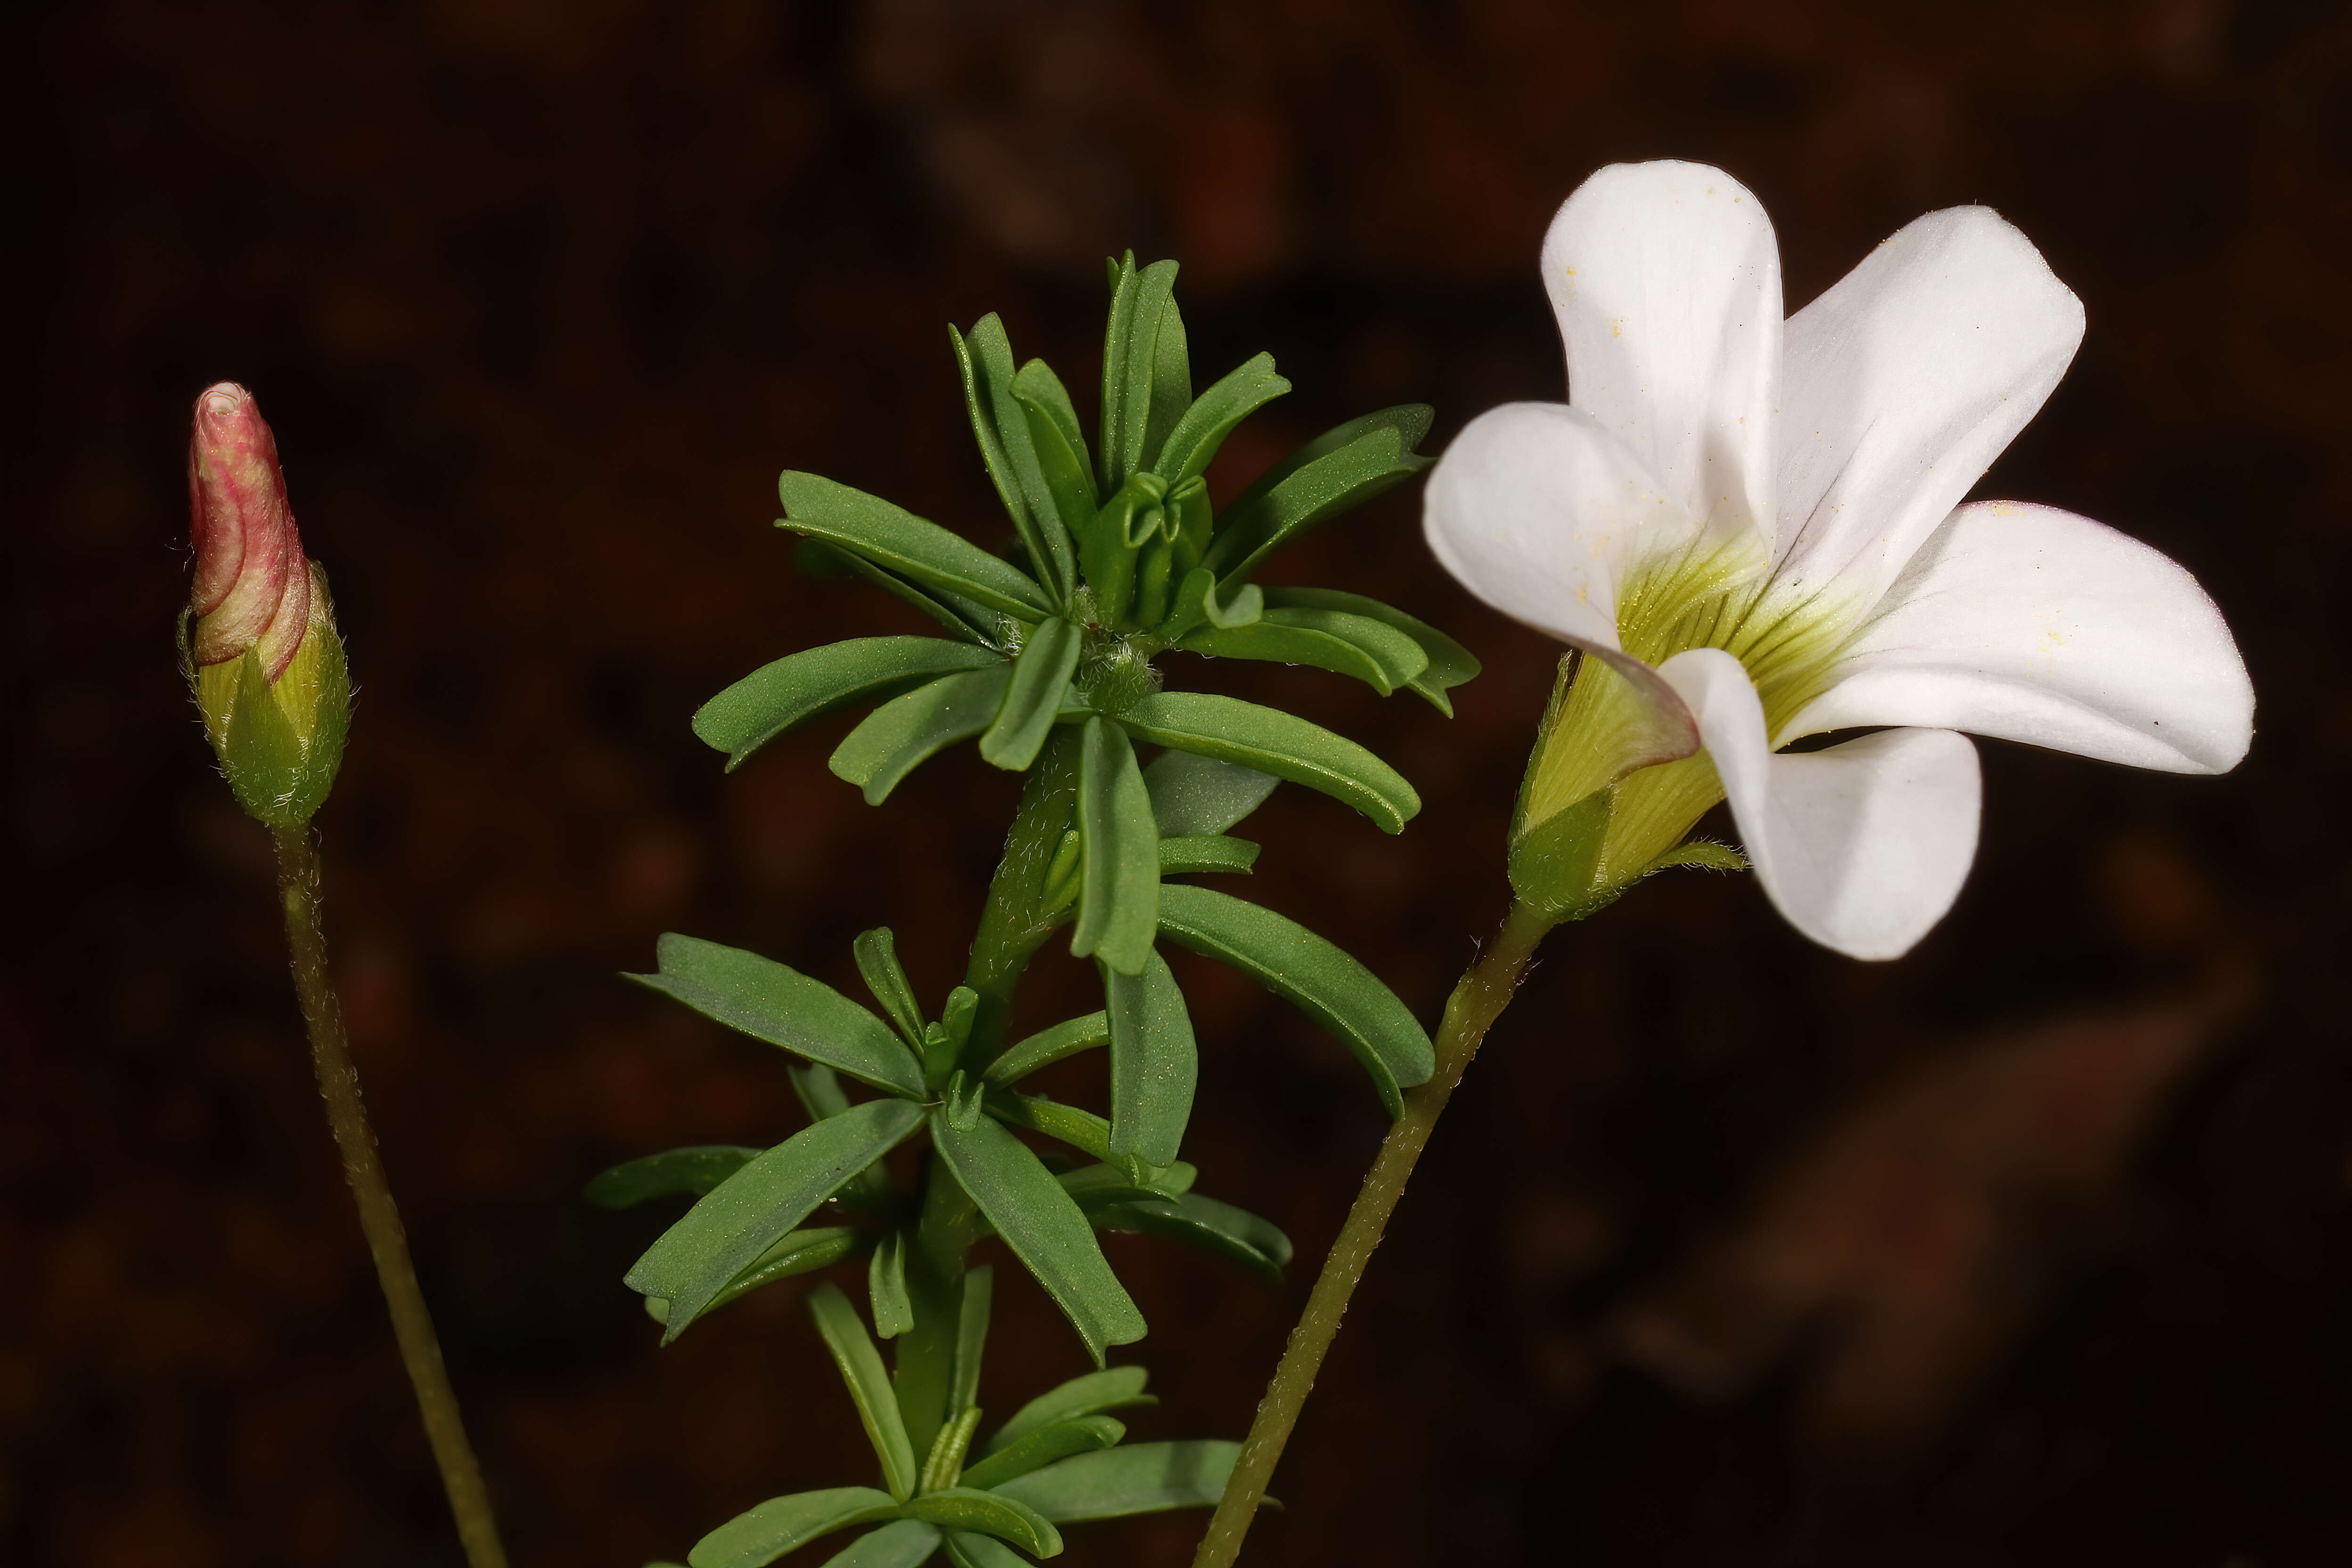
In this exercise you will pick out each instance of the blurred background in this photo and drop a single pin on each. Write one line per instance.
(2033, 1247)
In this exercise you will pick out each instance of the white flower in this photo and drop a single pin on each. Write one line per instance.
(1752, 529)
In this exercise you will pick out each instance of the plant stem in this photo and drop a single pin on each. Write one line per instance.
(338, 1083)
(1484, 992)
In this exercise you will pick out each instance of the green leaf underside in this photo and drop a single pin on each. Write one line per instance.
(1449, 663)
(1322, 980)
(877, 953)
(1034, 698)
(760, 1536)
(886, 1285)
(772, 1002)
(1114, 1388)
(860, 1365)
(1381, 657)
(973, 622)
(1097, 1184)
(1193, 796)
(1128, 363)
(897, 540)
(906, 1544)
(1119, 876)
(696, 1170)
(801, 686)
(1171, 378)
(1262, 520)
(1002, 428)
(745, 1214)
(1078, 1435)
(1081, 1129)
(1044, 1227)
(906, 731)
(981, 1551)
(1209, 853)
(1229, 1231)
(1049, 1046)
(1273, 742)
(796, 1253)
(1154, 1062)
(1193, 443)
(970, 1510)
(1134, 1478)
(1060, 449)
(971, 1337)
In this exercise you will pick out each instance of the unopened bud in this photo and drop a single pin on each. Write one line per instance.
(259, 638)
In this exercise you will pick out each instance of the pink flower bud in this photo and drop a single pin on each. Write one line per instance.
(253, 585)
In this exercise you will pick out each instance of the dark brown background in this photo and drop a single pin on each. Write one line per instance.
(2035, 1248)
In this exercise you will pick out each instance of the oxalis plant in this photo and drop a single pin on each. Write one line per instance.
(1751, 531)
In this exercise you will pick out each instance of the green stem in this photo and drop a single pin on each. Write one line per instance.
(1484, 991)
(339, 1082)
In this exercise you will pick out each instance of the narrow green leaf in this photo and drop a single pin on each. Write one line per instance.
(1279, 639)
(1233, 1233)
(869, 1386)
(964, 1508)
(1042, 1225)
(770, 1002)
(1114, 1388)
(886, 1285)
(1127, 1182)
(1247, 512)
(1202, 854)
(1450, 664)
(695, 1171)
(1204, 426)
(945, 1461)
(1134, 1478)
(973, 622)
(1079, 1435)
(1049, 1046)
(743, 1216)
(1172, 380)
(1196, 603)
(1120, 882)
(908, 1543)
(818, 1088)
(1035, 696)
(1193, 796)
(1081, 1129)
(965, 1551)
(1262, 520)
(1063, 465)
(971, 1337)
(877, 953)
(1129, 363)
(1326, 984)
(796, 1253)
(800, 686)
(779, 1524)
(897, 540)
(1273, 742)
(1002, 431)
(906, 731)
(1154, 1063)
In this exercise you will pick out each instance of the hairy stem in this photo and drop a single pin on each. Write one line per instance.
(1484, 992)
(338, 1083)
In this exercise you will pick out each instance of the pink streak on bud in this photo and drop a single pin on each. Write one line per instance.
(253, 586)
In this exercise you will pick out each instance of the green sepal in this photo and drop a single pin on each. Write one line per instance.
(1113, 1388)
(762, 1534)
(1118, 883)
(1049, 1046)
(860, 1365)
(1044, 1227)
(1338, 471)
(1193, 443)
(773, 1002)
(1701, 853)
(1197, 796)
(1449, 664)
(898, 541)
(989, 1513)
(903, 1543)
(1202, 854)
(1318, 977)
(1034, 698)
(1155, 1065)
(906, 731)
(1134, 1477)
(1002, 428)
(1273, 742)
(1129, 364)
(803, 686)
(1232, 1233)
(694, 1171)
(280, 778)
(742, 1217)
(1078, 1435)
(1552, 866)
(885, 1287)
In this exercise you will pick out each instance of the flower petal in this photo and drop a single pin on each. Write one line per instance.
(1903, 383)
(1667, 280)
(2035, 624)
(1862, 846)
(1540, 512)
